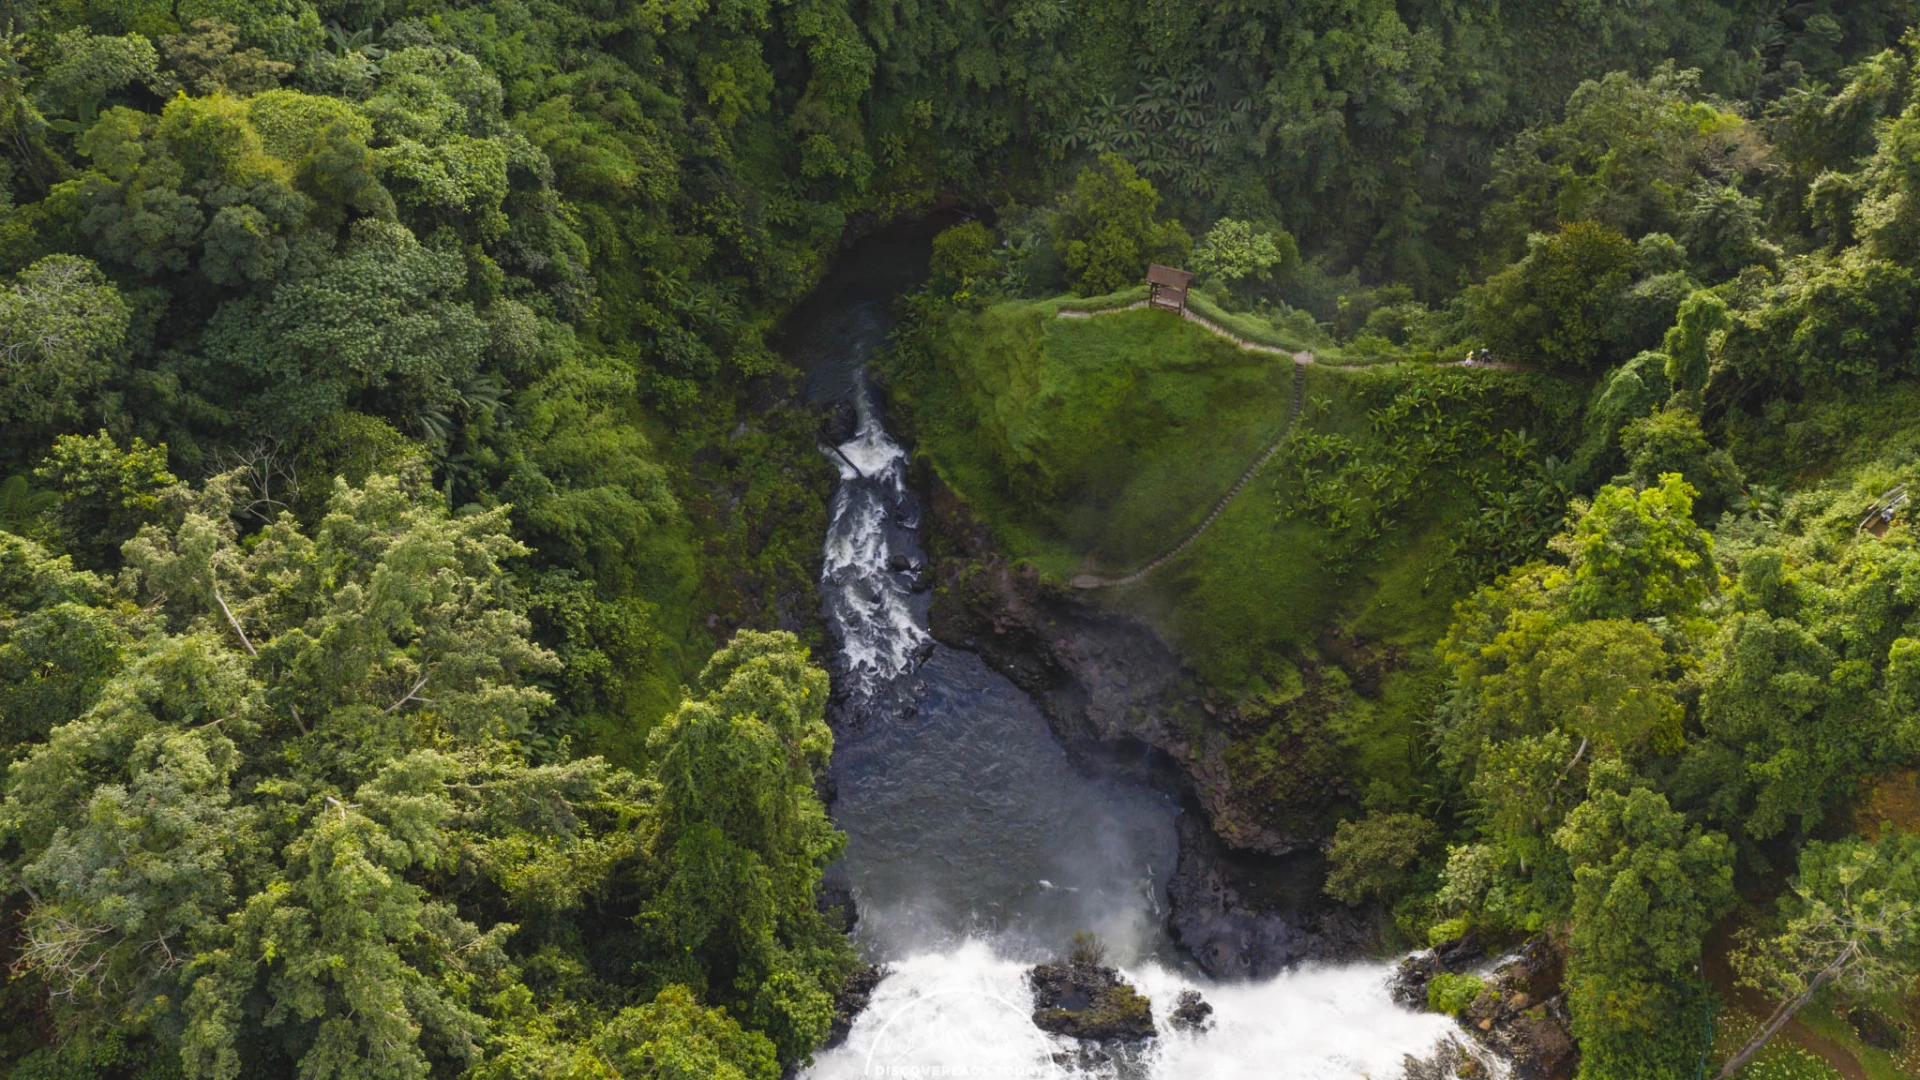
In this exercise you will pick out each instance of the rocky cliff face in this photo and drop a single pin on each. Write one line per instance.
(1111, 686)
(1246, 915)
(1245, 896)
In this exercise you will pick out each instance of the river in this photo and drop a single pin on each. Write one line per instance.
(976, 848)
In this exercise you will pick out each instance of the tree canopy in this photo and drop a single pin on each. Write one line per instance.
(409, 527)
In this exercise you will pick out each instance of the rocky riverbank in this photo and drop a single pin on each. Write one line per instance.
(1519, 1011)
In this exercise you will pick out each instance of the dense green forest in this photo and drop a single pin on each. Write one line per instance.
(408, 530)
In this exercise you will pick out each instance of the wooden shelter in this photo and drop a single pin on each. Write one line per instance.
(1167, 287)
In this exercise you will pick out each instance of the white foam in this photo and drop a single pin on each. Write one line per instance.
(871, 607)
(962, 1013)
(1314, 1023)
(967, 1012)
(872, 452)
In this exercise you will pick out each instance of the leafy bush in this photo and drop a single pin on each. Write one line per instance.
(1087, 949)
(1452, 994)
(1235, 253)
(1372, 857)
(1106, 232)
(962, 257)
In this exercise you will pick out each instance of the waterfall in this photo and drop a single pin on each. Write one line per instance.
(871, 558)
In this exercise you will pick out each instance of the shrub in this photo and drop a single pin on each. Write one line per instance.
(1372, 857)
(1088, 949)
(1452, 994)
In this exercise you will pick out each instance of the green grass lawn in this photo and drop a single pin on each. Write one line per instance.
(1096, 442)
(1256, 586)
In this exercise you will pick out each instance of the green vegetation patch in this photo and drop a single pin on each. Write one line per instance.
(1367, 519)
(1452, 994)
(1096, 444)
(1094, 441)
(1295, 333)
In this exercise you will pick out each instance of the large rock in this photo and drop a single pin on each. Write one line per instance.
(1409, 983)
(839, 423)
(1087, 1001)
(1191, 1012)
(852, 1000)
(1520, 1013)
(1451, 1060)
(1249, 916)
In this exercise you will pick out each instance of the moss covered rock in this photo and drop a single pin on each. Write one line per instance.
(1088, 1001)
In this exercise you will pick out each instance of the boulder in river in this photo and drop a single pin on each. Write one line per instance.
(1451, 1060)
(1191, 1012)
(840, 424)
(1409, 983)
(1086, 1000)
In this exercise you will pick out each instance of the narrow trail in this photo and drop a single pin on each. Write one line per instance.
(1095, 581)
(1300, 359)
(1717, 967)
(1306, 356)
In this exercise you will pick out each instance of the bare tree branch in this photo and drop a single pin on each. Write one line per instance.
(263, 473)
(411, 695)
(1577, 754)
(251, 651)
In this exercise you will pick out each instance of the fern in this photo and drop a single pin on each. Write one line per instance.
(21, 504)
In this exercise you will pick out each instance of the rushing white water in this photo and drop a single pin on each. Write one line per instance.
(976, 849)
(965, 1012)
(872, 607)
(1311, 1023)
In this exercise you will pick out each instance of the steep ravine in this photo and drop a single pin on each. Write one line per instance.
(1028, 775)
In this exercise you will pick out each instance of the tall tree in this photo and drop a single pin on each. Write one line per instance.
(1646, 887)
(1852, 923)
(1106, 230)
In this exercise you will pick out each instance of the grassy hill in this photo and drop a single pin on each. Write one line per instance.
(1095, 444)
(1090, 441)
